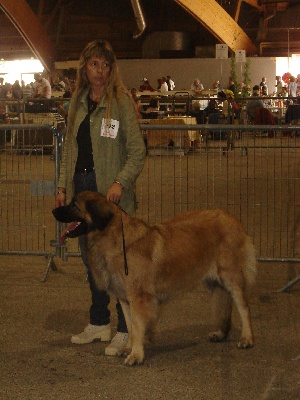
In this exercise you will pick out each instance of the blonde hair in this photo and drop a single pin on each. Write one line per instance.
(114, 88)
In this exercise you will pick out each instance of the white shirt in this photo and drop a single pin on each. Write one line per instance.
(197, 87)
(279, 87)
(164, 87)
(172, 84)
(293, 89)
(44, 88)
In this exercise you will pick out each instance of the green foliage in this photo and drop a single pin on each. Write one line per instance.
(246, 90)
(233, 73)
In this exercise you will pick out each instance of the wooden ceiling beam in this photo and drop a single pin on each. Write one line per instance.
(53, 14)
(34, 34)
(238, 10)
(217, 21)
(40, 9)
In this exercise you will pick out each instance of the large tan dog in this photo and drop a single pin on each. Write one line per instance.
(144, 265)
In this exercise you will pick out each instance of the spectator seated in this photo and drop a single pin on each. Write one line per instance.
(216, 118)
(263, 116)
(292, 113)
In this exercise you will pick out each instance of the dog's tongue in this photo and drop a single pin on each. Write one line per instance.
(70, 228)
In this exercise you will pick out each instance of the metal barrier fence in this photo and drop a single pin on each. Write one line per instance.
(251, 171)
(29, 169)
(18, 108)
(33, 111)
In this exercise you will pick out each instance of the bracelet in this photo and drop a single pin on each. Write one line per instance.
(60, 192)
(119, 183)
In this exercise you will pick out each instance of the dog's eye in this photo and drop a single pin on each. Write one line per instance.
(74, 205)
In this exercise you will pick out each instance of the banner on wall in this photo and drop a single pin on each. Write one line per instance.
(221, 51)
(240, 56)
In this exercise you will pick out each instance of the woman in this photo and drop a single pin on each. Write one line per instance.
(104, 151)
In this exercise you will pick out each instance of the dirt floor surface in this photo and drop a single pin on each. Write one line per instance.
(38, 361)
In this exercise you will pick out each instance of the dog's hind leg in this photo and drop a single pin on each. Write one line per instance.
(144, 314)
(237, 291)
(246, 339)
(222, 309)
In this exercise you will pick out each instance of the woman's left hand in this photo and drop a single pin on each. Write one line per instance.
(114, 193)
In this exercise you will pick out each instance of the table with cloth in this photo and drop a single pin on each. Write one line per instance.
(164, 139)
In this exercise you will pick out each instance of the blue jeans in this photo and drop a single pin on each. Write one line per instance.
(99, 312)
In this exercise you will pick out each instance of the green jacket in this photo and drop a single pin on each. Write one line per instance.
(120, 158)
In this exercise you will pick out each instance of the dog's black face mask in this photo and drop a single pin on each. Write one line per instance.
(96, 214)
(69, 214)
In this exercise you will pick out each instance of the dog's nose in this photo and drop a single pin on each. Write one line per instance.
(55, 211)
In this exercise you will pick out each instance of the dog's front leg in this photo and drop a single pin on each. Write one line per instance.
(144, 314)
(127, 314)
(138, 330)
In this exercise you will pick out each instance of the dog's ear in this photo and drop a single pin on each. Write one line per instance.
(100, 213)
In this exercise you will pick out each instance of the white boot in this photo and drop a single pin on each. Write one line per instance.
(117, 345)
(91, 333)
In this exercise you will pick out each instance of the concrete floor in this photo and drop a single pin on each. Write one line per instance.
(38, 361)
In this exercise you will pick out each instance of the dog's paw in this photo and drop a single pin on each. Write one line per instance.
(245, 343)
(217, 336)
(134, 359)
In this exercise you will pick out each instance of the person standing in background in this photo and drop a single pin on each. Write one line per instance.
(170, 83)
(42, 87)
(164, 85)
(254, 104)
(231, 85)
(16, 90)
(263, 87)
(278, 85)
(292, 87)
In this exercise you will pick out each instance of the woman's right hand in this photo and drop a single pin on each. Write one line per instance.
(60, 199)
